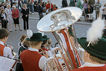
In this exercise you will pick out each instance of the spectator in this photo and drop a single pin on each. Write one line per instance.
(9, 17)
(25, 16)
(85, 6)
(54, 7)
(40, 11)
(43, 5)
(89, 10)
(4, 50)
(15, 15)
(97, 8)
(15, 3)
(11, 1)
(91, 2)
(4, 19)
(72, 3)
(64, 3)
(36, 6)
(20, 4)
(44, 12)
(31, 6)
(49, 6)
(79, 4)
(7, 2)
(3, 5)
(39, 1)
(104, 13)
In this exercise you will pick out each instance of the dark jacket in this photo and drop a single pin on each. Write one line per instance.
(89, 11)
(25, 12)
(22, 48)
(64, 3)
(40, 9)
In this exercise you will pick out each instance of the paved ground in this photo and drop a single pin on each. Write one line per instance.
(14, 36)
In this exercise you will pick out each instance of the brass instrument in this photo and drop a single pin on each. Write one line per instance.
(57, 22)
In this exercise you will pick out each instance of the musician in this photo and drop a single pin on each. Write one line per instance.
(31, 59)
(44, 49)
(94, 55)
(23, 45)
(4, 50)
(45, 43)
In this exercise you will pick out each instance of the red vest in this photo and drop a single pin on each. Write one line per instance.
(1, 49)
(30, 60)
(103, 68)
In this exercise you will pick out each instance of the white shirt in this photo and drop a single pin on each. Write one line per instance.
(4, 16)
(8, 11)
(43, 60)
(7, 51)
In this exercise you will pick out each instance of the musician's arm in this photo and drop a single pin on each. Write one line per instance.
(42, 62)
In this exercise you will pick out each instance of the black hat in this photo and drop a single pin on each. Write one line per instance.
(98, 50)
(45, 37)
(36, 37)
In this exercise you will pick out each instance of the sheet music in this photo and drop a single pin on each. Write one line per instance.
(6, 63)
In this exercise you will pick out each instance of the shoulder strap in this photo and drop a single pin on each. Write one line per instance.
(1, 49)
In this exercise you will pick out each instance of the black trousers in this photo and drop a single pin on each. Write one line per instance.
(4, 24)
(40, 15)
(26, 24)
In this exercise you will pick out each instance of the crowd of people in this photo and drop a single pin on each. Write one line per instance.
(35, 49)
(91, 8)
(10, 12)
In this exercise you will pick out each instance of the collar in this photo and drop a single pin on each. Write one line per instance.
(1, 42)
(92, 65)
(33, 49)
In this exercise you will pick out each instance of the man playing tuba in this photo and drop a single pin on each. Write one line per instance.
(95, 48)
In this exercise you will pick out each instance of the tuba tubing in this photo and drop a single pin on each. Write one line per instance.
(59, 20)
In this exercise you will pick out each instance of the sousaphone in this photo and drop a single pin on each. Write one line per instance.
(57, 22)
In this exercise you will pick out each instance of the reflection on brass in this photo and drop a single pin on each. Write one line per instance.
(58, 17)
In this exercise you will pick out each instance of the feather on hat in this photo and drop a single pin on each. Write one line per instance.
(96, 31)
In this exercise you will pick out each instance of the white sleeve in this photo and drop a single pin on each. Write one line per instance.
(42, 62)
(8, 52)
(50, 53)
